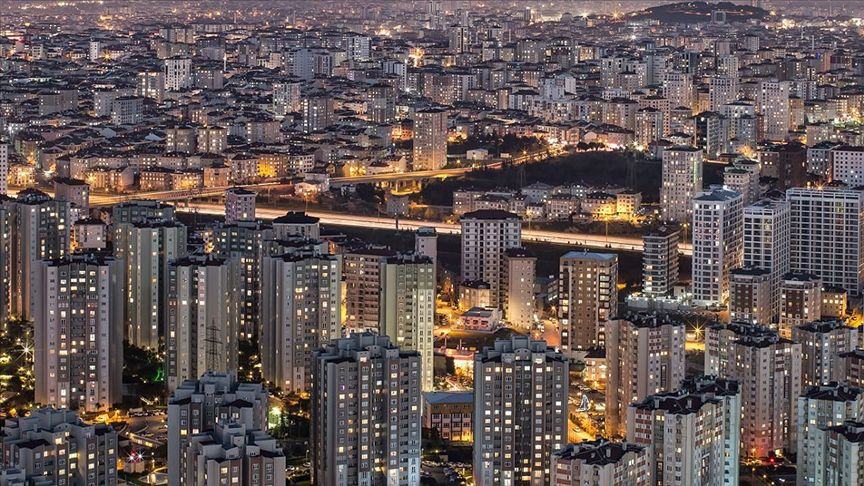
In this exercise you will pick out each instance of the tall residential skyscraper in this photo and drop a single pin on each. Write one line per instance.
(54, 447)
(772, 102)
(300, 312)
(146, 250)
(317, 111)
(366, 425)
(407, 309)
(827, 232)
(822, 343)
(587, 298)
(4, 168)
(660, 261)
(837, 453)
(77, 335)
(361, 272)
(520, 411)
(750, 295)
(232, 453)
(430, 139)
(178, 73)
(692, 434)
(203, 318)
(599, 463)
(644, 356)
(678, 88)
(519, 276)
(381, 103)
(6, 297)
(717, 244)
(682, 181)
(766, 244)
(800, 301)
(486, 235)
(245, 242)
(722, 90)
(239, 205)
(39, 229)
(768, 370)
(198, 406)
(819, 409)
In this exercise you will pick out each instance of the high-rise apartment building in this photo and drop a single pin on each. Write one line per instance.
(768, 370)
(300, 312)
(520, 411)
(660, 261)
(692, 435)
(717, 244)
(4, 168)
(682, 181)
(317, 111)
(772, 102)
(827, 232)
(819, 409)
(519, 275)
(822, 343)
(178, 73)
(599, 463)
(239, 205)
(750, 292)
(407, 307)
(846, 165)
(361, 271)
(800, 301)
(837, 454)
(146, 249)
(766, 244)
(55, 447)
(39, 229)
(644, 356)
(366, 425)
(231, 453)
(587, 298)
(78, 340)
(203, 318)
(381, 103)
(430, 139)
(722, 90)
(199, 406)
(486, 235)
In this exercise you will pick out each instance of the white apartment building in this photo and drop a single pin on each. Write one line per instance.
(300, 312)
(407, 308)
(717, 244)
(846, 164)
(239, 205)
(199, 406)
(178, 73)
(644, 356)
(822, 343)
(520, 412)
(486, 235)
(203, 322)
(78, 358)
(821, 408)
(587, 298)
(599, 463)
(800, 301)
(722, 90)
(519, 277)
(772, 102)
(231, 453)
(768, 370)
(430, 139)
(55, 447)
(692, 434)
(767, 233)
(837, 453)
(828, 235)
(682, 181)
(366, 425)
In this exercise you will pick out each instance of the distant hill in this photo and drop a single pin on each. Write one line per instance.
(694, 12)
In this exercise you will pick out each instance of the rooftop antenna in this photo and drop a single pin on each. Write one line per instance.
(213, 345)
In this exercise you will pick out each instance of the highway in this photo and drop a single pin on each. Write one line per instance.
(620, 243)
